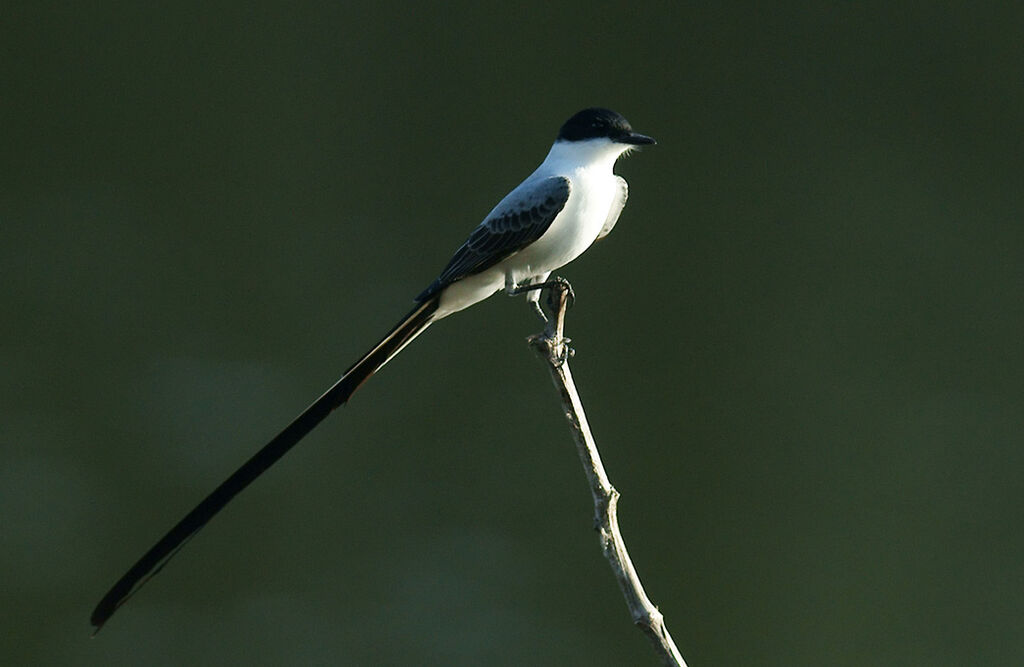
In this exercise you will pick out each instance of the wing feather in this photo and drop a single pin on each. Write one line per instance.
(618, 203)
(514, 224)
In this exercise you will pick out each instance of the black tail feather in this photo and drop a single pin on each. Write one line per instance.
(158, 556)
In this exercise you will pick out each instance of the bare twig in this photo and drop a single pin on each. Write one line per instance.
(553, 347)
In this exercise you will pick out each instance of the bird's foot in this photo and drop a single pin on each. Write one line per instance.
(556, 282)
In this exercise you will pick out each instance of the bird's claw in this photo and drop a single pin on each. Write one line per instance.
(554, 285)
(563, 284)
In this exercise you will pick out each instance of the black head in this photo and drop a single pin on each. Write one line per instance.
(598, 123)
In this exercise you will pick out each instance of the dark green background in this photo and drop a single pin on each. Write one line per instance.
(800, 349)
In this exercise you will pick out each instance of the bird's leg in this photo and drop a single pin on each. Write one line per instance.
(512, 289)
(532, 296)
(535, 304)
(559, 295)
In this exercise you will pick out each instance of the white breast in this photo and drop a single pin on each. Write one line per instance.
(573, 231)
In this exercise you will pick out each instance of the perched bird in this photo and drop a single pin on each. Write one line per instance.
(571, 200)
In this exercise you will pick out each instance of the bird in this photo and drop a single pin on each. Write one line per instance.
(571, 200)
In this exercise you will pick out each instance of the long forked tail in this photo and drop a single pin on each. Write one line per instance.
(154, 560)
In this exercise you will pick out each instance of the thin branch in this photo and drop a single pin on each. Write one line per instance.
(553, 347)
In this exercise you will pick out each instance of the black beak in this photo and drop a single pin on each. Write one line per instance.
(636, 139)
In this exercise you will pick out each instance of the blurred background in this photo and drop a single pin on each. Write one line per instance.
(800, 349)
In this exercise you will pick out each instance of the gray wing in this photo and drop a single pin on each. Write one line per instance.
(514, 224)
(618, 202)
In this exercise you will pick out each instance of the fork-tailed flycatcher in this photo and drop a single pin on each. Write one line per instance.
(570, 201)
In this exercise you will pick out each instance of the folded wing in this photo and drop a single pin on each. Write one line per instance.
(517, 222)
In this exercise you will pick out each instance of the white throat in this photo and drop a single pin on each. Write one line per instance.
(597, 154)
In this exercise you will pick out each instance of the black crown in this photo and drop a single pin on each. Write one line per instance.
(595, 123)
